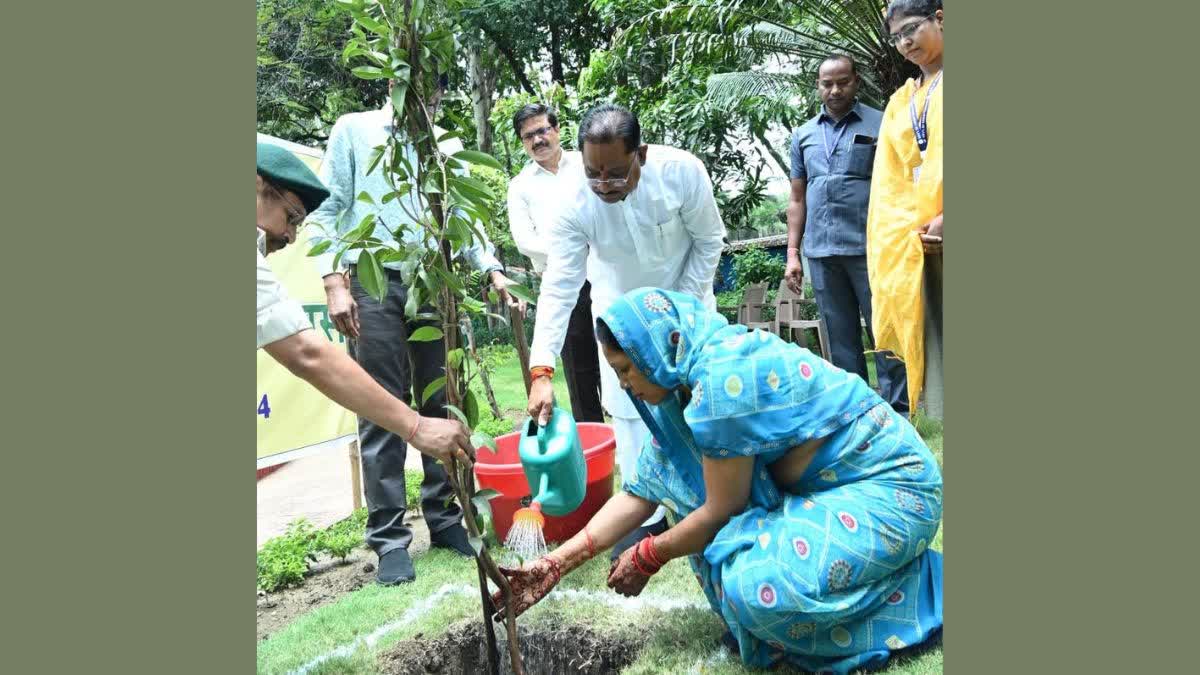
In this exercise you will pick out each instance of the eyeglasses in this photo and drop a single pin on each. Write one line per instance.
(907, 32)
(613, 182)
(295, 215)
(530, 135)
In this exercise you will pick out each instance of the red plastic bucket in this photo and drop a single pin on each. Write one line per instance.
(502, 472)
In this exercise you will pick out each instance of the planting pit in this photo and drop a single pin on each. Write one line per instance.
(545, 651)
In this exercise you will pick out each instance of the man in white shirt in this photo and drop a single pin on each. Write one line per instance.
(287, 190)
(645, 216)
(533, 203)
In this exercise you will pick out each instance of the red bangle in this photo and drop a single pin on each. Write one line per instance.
(640, 559)
(636, 563)
(653, 554)
(538, 371)
(590, 545)
(414, 430)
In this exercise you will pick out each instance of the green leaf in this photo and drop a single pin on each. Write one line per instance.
(320, 248)
(478, 185)
(472, 408)
(398, 93)
(371, 276)
(400, 191)
(370, 73)
(455, 357)
(376, 155)
(477, 544)
(449, 279)
(432, 388)
(468, 193)
(488, 493)
(413, 303)
(365, 228)
(366, 198)
(425, 334)
(520, 292)
(457, 413)
(448, 135)
(373, 25)
(476, 157)
(482, 440)
(482, 506)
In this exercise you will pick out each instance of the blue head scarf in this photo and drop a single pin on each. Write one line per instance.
(751, 392)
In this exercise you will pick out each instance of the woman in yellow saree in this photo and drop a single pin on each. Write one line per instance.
(904, 221)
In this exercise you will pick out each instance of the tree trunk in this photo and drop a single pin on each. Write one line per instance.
(420, 126)
(483, 87)
(783, 164)
(556, 65)
(513, 62)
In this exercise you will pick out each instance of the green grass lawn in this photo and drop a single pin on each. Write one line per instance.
(675, 641)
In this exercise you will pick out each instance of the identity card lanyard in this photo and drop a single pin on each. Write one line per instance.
(920, 125)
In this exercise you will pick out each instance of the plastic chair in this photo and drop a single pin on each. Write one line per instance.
(789, 316)
(750, 312)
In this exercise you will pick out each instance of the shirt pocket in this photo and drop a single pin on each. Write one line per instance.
(862, 156)
(665, 237)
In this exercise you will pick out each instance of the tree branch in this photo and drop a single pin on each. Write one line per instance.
(513, 62)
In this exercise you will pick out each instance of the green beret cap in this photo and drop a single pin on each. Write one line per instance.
(286, 170)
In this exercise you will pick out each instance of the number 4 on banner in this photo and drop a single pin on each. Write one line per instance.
(264, 408)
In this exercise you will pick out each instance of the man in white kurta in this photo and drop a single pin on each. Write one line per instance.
(645, 216)
(533, 198)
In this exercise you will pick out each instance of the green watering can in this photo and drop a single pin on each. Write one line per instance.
(552, 458)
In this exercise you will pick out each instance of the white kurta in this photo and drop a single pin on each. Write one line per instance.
(667, 233)
(534, 195)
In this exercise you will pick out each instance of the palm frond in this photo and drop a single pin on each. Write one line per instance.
(731, 89)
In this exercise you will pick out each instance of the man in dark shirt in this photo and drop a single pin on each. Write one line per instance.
(832, 156)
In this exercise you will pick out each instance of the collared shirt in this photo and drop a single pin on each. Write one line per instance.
(839, 186)
(534, 198)
(666, 233)
(344, 170)
(279, 316)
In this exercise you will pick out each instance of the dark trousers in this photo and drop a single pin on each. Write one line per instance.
(400, 367)
(581, 361)
(843, 294)
(934, 385)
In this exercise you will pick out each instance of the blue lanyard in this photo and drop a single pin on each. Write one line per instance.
(920, 129)
(838, 137)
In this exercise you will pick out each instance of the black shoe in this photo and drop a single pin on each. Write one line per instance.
(454, 538)
(395, 567)
(637, 535)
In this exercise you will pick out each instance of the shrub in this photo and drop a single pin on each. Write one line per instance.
(756, 265)
(283, 560)
(412, 490)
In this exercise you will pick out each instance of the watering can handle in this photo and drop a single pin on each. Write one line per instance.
(541, 433)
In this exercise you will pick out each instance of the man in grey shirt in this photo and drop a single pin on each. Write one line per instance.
(832, 158)
(378, 335)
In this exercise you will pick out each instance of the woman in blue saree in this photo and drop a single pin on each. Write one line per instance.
(803, 502)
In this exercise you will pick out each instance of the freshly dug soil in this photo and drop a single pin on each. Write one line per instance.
(463, 649)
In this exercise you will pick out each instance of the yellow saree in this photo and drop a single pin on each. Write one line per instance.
(899, 205)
